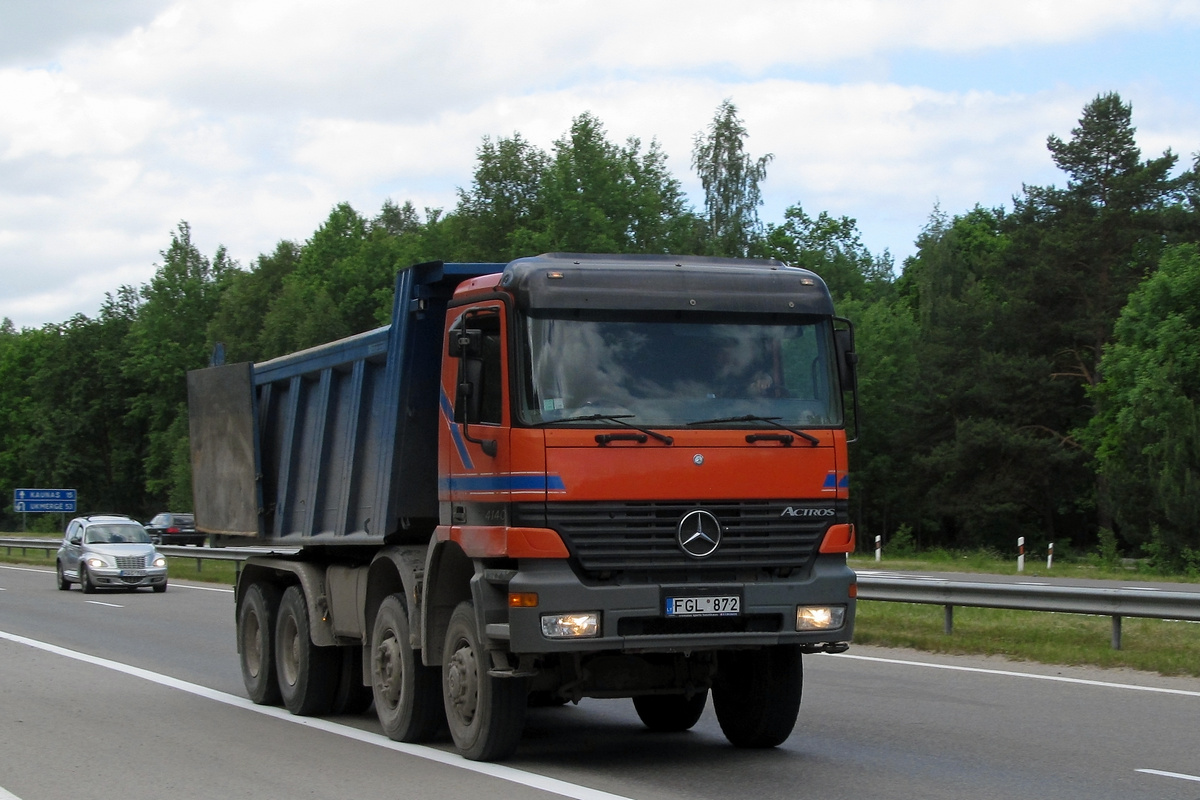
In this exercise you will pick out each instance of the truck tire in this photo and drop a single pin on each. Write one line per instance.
(256, 643)
(408, 694)
(308, 674)
(352, 697)
(670, 713)
(486, 714)
(756, 694)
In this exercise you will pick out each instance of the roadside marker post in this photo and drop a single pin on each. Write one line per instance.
(1020, 554)
(878, 548)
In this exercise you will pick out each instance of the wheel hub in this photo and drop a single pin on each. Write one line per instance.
(388, 668)
(462, 683)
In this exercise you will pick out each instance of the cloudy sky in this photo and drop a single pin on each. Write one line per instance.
(251, 119)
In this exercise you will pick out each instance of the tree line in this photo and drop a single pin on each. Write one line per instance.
(1030, 371)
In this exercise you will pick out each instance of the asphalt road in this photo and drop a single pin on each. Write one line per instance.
(119, 695)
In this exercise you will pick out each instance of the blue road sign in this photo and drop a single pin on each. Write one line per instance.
(30, 501)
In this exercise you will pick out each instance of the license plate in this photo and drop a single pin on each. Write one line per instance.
(133, 573)
(704, 606)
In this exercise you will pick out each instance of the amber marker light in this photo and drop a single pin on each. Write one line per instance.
(522, 599)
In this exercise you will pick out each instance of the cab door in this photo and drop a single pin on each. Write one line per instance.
(479, 456)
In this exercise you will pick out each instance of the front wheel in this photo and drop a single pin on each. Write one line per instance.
(408, 694)
(756, 694)
(670, 713)
(486, 714)
(63, 583)
(307, 673)
(85, 580)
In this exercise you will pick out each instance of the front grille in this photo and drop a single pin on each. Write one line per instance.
(610, 537)
(131, 562)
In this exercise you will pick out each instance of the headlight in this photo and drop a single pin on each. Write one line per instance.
(96, 561)
(820, 618)
(160, 561)
(571, 626)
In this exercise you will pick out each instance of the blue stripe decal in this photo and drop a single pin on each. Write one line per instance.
(830, 481)
(505, 483)
(455, 433)
(845, 484)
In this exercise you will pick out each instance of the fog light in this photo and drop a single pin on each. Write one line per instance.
(571, 626)
(819, 618)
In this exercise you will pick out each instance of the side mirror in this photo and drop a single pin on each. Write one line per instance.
(847, 359)
(76, 540)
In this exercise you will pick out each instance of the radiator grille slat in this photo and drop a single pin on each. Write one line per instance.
(642, 536)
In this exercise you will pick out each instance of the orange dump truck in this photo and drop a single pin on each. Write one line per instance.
(567, 477)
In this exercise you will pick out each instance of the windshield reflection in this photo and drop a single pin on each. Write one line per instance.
(670, 373)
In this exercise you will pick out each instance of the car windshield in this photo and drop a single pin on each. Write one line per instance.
(672, 372)
(116, 534)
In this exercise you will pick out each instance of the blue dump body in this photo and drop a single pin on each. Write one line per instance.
(336, 444)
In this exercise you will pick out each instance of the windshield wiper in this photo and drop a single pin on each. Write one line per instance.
(617, 418)
(814, 441)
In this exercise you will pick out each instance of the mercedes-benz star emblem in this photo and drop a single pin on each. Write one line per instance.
(699, 534)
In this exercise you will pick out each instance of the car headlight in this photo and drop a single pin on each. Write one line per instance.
(96, 562)
(160, 561)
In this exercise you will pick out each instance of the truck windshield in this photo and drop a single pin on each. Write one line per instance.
(668, 373)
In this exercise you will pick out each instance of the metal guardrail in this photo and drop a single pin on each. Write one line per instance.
(1114, 603)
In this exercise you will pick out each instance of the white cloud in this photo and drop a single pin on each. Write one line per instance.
(252, 118)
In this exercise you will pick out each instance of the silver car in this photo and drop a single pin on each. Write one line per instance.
(109, 552)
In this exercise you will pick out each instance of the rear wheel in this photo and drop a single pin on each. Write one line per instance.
(63, 583)
(485, 713)
(756, 694)
(408, 694)
(670, 713)
(256, 642)
(307, 673)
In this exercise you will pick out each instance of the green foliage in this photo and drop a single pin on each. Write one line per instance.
(1031, 372)
(1146, 432)
(1110, 556)
(730, 177)
(832, 248)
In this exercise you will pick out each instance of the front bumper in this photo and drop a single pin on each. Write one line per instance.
(109, 578)
(633, 618)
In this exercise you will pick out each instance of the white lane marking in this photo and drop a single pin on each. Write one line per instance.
(1031, 583)
(1179, 775)
(6, 795)
(1030, 675)
(225, 589)
(173, 585)
(99, 603)
(529, 779)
